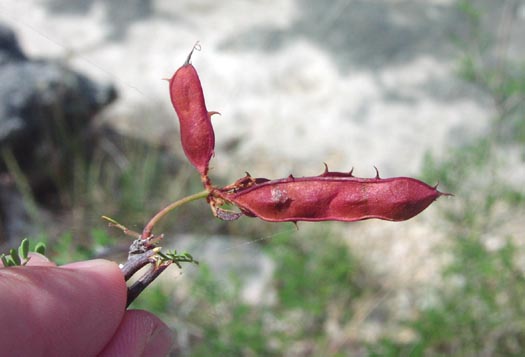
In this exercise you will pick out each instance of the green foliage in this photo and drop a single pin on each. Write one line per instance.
(478, 308)
(229, 326)
(314, 280)
(67, 248)
(20, 256)
(176, 258)
(485, 62)
(462, 164)
(40, 248)
(314, 272)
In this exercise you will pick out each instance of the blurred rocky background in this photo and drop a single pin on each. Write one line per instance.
(46, 112)
(430, 89)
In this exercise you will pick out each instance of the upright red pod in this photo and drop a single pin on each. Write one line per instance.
(196, 130)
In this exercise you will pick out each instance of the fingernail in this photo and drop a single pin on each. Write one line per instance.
(37, 259)
(94, 264)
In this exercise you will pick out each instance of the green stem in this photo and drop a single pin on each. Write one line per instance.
(146, 233)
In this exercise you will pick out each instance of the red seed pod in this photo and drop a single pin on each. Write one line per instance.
(196, 131)
(333, 196)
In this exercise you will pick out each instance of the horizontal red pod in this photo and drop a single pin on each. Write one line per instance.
(333, 196)
(196, 131)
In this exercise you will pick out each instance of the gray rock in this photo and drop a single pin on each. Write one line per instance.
(10, 51)
(45, 115)
(41, 99)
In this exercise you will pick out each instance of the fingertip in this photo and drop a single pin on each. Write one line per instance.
(140, 334)
(107, 275)
(75, 308)
(101, 265)
(159, 343)
(37, 259)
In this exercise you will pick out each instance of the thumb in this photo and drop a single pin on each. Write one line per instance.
(59, 311)
(140, 334)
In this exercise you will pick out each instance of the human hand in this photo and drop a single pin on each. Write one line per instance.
(76, 309)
